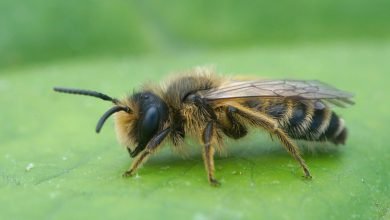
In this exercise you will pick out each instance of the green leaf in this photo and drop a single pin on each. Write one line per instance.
(53, 165)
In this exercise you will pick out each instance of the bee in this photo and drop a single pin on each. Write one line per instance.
(210, 108)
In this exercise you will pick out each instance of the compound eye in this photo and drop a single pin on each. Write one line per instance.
(149, 125)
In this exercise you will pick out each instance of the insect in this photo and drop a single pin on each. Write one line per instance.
(209, 107)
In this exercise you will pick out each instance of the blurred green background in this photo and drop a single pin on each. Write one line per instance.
(53, 165)
(40, 30)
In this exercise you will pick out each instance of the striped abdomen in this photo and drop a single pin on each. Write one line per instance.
(305, 119)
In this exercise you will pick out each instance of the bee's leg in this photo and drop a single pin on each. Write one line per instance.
(152, 147)
(208, 152)
(129, 151)
(268, 123)
(292, 149)
(142, 158)
(231, 126)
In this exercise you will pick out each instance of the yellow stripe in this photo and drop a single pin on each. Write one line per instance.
(289, 105)
(309, 111)
(324, 124)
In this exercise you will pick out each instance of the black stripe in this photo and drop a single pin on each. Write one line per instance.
(317, 120)
(277, 111)
(253, 104)
(333, 126)
(298, 116)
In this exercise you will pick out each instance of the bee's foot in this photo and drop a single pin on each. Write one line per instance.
(307, 174)
(214, 182)
(128, 173)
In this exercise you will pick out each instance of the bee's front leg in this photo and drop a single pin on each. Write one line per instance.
(208, 139)
(150, 148)
(142, 158)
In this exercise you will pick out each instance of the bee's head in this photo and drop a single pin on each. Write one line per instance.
(148, 116)
(138, 117)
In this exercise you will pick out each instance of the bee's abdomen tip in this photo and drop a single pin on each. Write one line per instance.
(341, 137)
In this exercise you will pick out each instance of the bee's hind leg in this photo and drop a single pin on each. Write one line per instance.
(292, 149)
(208, 152)
(150, 148)
(268, 123)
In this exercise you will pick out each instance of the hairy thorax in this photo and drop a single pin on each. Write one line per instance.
(188, 115)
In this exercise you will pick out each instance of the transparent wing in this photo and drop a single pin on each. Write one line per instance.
(298, 89)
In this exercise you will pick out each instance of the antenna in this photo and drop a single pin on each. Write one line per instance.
(86, 93)
(107, 114)
(99, 95)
